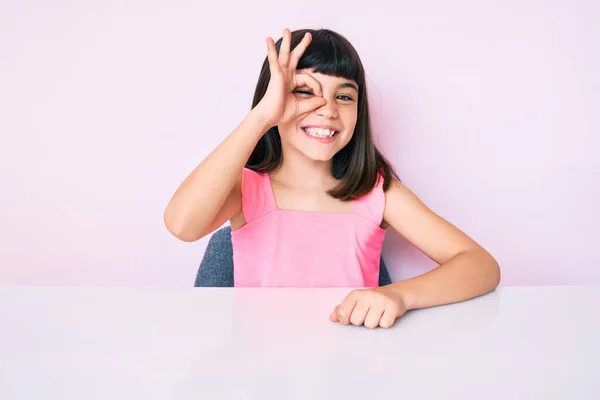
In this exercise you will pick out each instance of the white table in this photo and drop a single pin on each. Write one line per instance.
(141, 343)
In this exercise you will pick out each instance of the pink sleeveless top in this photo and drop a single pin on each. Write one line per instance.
(285, 248)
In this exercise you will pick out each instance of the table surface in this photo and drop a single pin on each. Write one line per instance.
(200, 343)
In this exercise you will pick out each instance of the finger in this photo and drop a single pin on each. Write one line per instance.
(307, 105)
(388, 318)
(272, 55)
(299, 50)
(344, 310)
(359, 313)
(284, 49)
(373, 317)
(308, 81)
(333, 317)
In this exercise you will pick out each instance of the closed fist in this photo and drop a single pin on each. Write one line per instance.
(376, 307)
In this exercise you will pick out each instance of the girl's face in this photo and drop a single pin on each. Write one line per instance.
(323, 132)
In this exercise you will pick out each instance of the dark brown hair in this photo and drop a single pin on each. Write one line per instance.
(358, 164)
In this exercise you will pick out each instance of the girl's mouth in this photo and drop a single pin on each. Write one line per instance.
(320, 133)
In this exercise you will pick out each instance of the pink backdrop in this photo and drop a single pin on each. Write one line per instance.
(487, 109)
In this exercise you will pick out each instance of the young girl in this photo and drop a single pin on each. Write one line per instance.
(309, 196)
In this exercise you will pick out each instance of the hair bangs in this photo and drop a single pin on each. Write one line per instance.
(331, 54)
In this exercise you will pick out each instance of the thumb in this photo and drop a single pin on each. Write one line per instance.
(308, 105)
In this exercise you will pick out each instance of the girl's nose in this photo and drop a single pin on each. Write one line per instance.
(328, 110)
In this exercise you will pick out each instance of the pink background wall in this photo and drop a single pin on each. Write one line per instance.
(489, 110)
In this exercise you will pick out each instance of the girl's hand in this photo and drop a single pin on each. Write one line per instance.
(370, 307)
(279, 104)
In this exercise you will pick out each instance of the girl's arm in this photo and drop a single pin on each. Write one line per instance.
(211, 194)
(466, 270)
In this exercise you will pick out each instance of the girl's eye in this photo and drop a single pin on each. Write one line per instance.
(344, 97)
(304, 92)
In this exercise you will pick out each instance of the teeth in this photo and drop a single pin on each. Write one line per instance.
(319, 132)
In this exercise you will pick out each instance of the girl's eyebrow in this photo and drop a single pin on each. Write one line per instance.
(340, 86)
(348, 85)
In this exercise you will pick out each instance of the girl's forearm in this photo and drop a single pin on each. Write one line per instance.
(194, 206)
(467, 275)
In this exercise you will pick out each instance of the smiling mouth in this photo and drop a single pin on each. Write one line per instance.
(322, 133)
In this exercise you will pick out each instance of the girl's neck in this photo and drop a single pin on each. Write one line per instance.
(299, 171)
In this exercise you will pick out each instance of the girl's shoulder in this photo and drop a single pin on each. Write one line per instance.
(257, 197)
(372, 205)
(251, 178)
